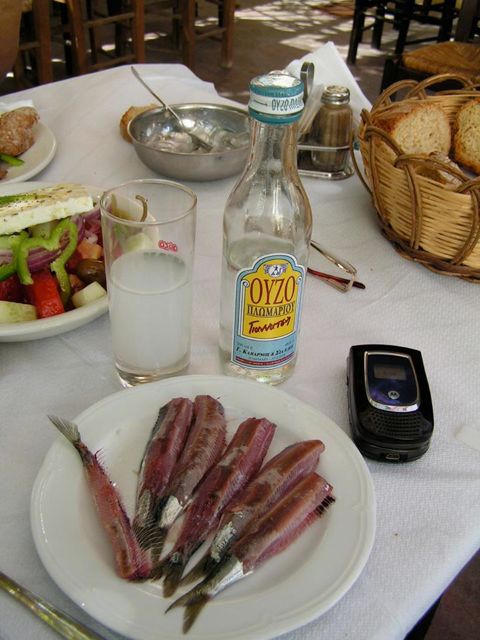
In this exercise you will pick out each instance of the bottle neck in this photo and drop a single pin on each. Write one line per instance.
(273, 145)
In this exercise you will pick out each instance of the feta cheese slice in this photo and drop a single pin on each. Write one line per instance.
(24, 210)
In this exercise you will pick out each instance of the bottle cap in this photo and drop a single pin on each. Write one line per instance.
(336, 95)
(276, 98)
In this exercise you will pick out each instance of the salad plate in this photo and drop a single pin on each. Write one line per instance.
(36, 158)
(55, 325)
(289, 590)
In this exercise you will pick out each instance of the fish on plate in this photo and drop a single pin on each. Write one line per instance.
(166, 443)
(131, 561)
(205, 444)
(240, 462)
(272, 482)
(271, 534)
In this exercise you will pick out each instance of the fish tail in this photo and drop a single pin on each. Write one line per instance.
(147, 533)
(203, 567)
(323, 506)
(152, 538)
(192, 611)
(193, 601)
(172, 569)
(67, 428)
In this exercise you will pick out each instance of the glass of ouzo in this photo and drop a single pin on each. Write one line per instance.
(148, 229)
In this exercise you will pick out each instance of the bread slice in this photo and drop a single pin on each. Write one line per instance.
(466, 143)
(417, 127)
(440, 168)
(130, 115)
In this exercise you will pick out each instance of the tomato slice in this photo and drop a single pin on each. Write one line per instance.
(44, 294)
(11, 289)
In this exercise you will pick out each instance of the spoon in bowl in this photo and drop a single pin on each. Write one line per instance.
(195, 138)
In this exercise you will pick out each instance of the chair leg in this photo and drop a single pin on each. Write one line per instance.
(377, 31)
(226, 19)
(356, 36)
(187, 10)
(91, 32)
(390, 72)
(41, 19)
(403, 25)
(446, 24)
(138, 31)
(77, 35)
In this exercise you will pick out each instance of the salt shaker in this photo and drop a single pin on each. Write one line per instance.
(332, 127)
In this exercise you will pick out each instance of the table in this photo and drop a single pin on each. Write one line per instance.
(428, 516)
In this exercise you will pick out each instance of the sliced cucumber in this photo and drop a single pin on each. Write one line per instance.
(89, 294)
(138, 242)
(16, 312)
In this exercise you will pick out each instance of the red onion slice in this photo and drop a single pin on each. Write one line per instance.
(39, 258)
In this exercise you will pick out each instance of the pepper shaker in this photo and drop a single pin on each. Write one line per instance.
(332, 128)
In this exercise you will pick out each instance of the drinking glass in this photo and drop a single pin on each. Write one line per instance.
(148, 231)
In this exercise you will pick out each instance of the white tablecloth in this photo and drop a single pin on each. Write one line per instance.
(428, 513)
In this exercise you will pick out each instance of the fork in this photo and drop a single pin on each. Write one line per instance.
(59, 621)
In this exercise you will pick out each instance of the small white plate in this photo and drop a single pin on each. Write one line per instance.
(47, 327)
(286, 592)
(35, 159)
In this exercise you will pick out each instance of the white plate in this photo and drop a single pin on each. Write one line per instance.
(286, 592)
(34, 159)
(47, 327)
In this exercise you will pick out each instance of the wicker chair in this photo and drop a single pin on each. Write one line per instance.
(34, 61)
(93, 19)
(186, 23)
(460, 56)
(374, 13)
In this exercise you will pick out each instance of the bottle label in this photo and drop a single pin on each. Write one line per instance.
(268, 300)
(271, 105)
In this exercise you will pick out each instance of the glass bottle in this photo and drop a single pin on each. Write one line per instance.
(266, 235)
(332, 127)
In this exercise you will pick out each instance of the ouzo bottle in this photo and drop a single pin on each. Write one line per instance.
(266, 236)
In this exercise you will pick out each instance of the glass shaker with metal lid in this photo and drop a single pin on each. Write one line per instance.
(332, 130)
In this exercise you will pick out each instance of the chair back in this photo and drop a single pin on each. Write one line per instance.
(467, 25)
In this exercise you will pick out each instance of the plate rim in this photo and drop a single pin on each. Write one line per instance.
(55, 325)
(295, 620)
(41, 164)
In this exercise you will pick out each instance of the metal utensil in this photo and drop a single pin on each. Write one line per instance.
(195, 138)
(59, 621)
(220, 163)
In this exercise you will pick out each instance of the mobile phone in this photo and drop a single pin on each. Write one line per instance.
(390, 407)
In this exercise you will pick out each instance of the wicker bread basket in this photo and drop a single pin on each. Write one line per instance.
(426, 221)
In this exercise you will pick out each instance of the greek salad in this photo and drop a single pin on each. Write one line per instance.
(51, 253)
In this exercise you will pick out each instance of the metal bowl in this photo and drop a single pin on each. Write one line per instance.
(211, 165)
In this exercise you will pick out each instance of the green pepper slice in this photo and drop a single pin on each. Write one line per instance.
(50, 244)
(12, 243)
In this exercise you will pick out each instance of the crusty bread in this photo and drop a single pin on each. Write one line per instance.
(17, 130)
(442, 169)
(130, 115)
(417, 127)
(466, 142)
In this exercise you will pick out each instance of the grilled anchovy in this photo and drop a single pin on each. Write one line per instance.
(272, 533)
(131, 561)
(276, 478)
(204, 446)
(241, 460)
(163, 449)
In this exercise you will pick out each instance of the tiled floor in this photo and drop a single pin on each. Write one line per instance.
(268, 35)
